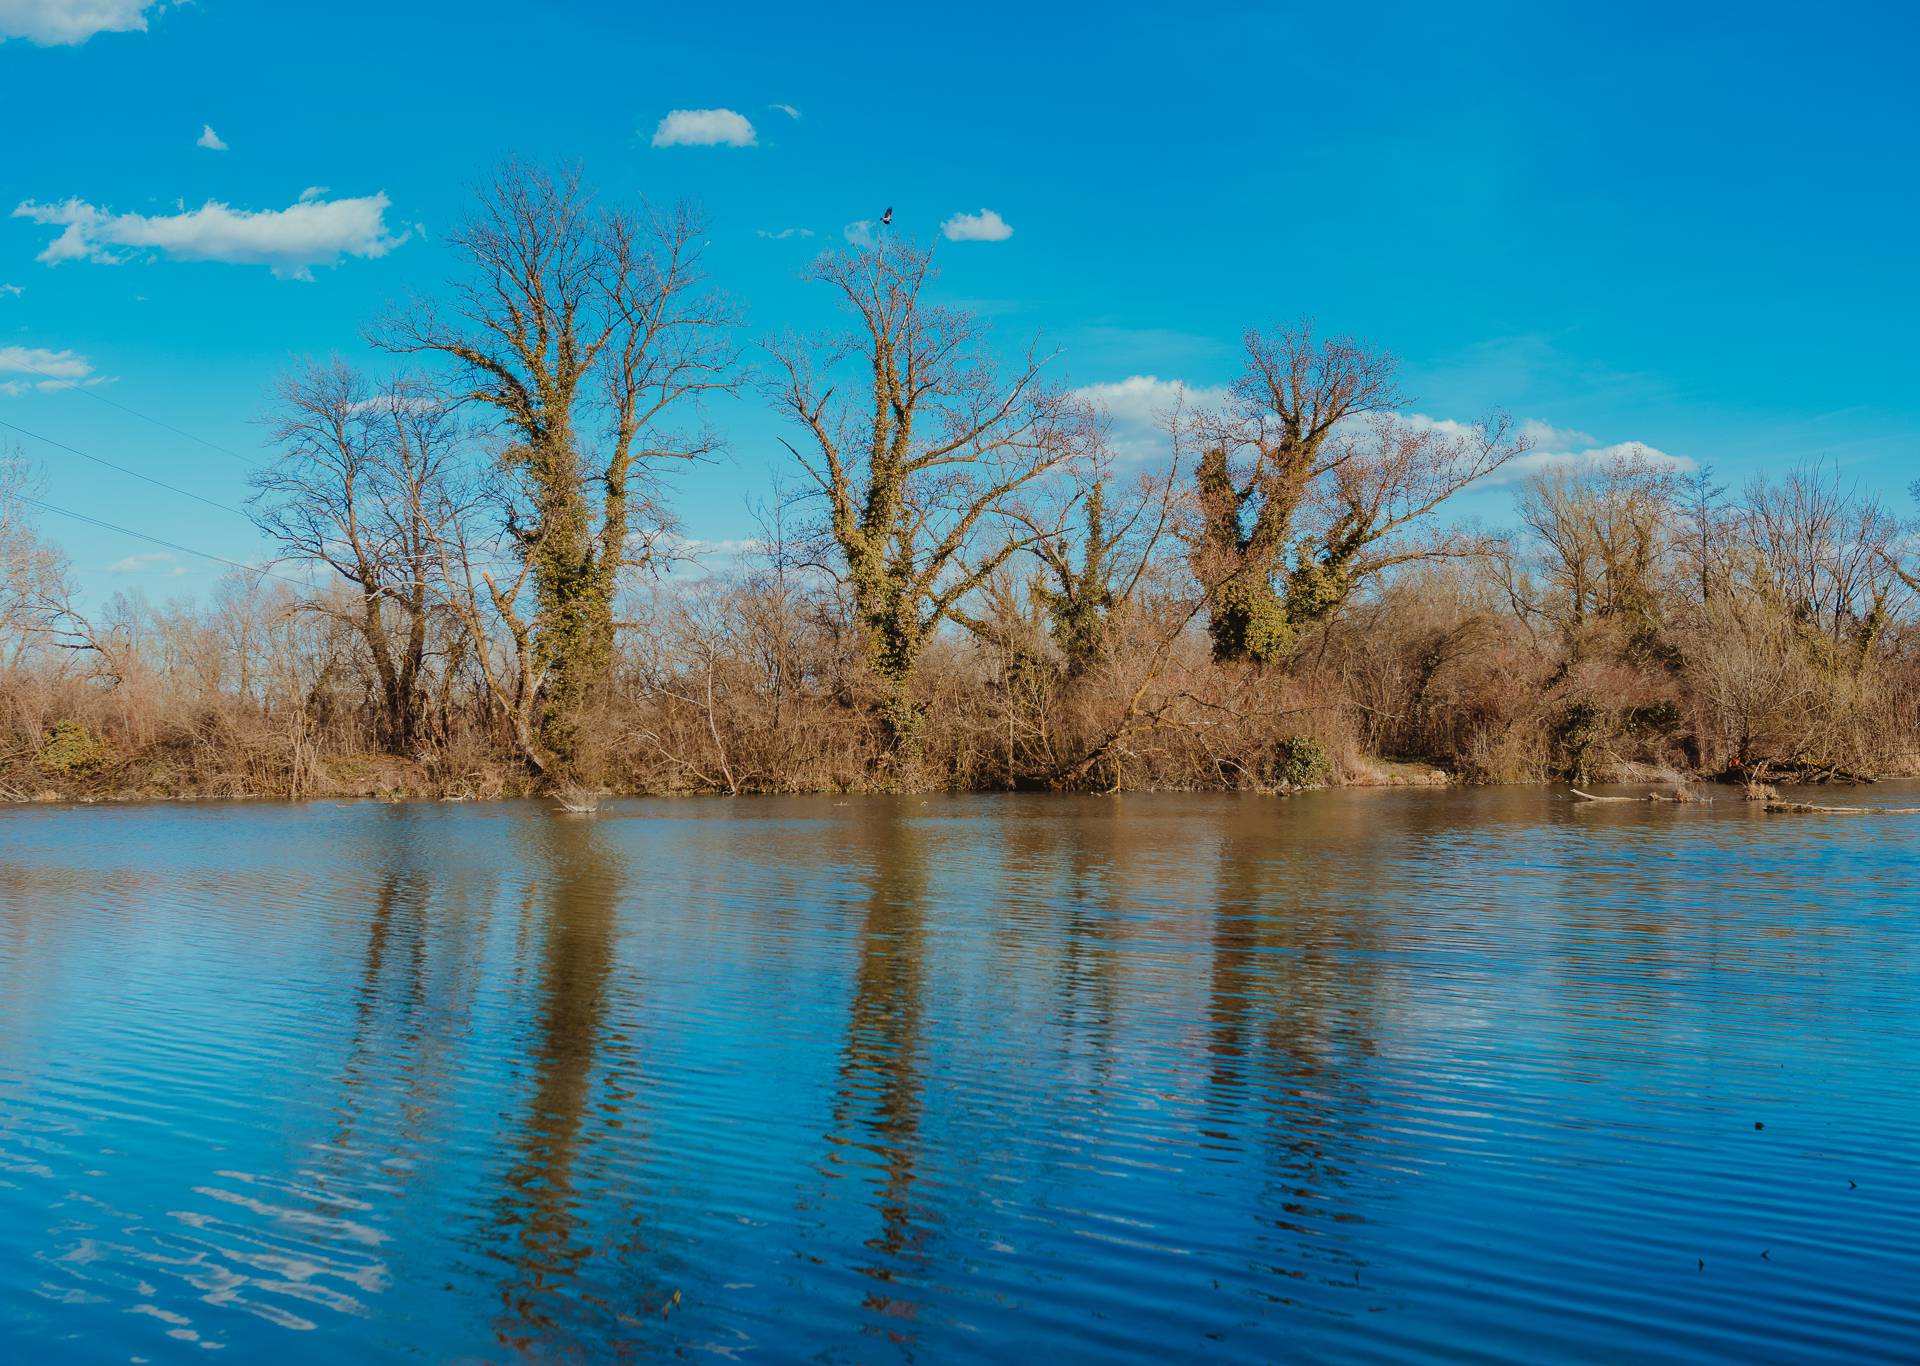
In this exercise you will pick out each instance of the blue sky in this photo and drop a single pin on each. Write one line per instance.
(1687, 226)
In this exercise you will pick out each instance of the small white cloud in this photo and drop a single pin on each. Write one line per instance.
(311, 193)
(1537, 461)
(49, 369)
(985, 226)
(859, 232)
(64, 23)
(1444, 427)
(1549, 447)
(1138, 408)
(703, 128)
(150, 562)
(786, 109)
(722, 549)
(1544, 436)
(207, 139)
(14, 290)
(1145, 398)
(706, 558)
(784, 233)
(398, 403)
(290, 241)
(1567, 448)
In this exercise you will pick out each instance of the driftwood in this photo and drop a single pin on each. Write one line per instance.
(1772, 803)
(1675, 797)
(576, 800)
(1807, 775)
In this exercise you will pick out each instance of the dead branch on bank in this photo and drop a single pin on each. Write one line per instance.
(1677, 796)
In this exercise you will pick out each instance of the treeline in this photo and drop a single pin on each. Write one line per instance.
(955, 583)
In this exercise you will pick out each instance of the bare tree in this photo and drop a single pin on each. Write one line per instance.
(36, 591)
(923, 446)
(363, 485)
(1310, 482)
(586, 331)
(1821, 553)
(1606, 534)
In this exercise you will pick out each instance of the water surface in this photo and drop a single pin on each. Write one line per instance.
(1351, 1076)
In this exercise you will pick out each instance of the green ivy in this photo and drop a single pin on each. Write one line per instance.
(72, 750)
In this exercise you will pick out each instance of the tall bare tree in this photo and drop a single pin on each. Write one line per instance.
(926, 449)
(1310, 481)
(587, 332)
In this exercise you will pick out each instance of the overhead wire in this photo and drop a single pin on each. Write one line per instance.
(123, 469)
(163, 542)
(68, 382)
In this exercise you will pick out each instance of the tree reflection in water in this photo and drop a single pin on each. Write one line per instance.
(1292, 1019)
(568, 1197)
(879, 1088)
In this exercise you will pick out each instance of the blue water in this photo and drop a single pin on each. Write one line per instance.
(1352, 1076)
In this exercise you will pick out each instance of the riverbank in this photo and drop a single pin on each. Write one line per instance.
(378, 777)
(385, 778)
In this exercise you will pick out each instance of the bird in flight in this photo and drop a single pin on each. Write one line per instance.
(886, 219)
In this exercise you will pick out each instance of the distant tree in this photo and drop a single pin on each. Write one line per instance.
(922, 445)
(1606, 532)
(1090, 576)
(1822, 552)
(585, 331)
(1310, 482)
(364, 485)
(35, 588)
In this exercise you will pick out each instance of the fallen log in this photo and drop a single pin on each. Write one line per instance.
(1677, 797)
(1808, 808)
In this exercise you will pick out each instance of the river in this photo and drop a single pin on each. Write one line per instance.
(1350, 1076)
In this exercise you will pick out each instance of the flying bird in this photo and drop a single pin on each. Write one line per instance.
(886, 219)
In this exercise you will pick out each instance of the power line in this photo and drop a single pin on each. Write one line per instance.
(67, 382)
(145, 478)
(170, 545)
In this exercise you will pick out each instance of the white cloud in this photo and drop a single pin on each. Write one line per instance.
(291, 241)
(398, 403)
(704, 128)
(151, 562)
(784, 233)
(786, 109)
(1145, 398)
(859, 232)
(14, 290)
(725, 549)
(1537, 460)
(49, 369)
(1544, 436)
(1138, 407)
(985, 226)
(1549, 446)
(209, 139)
(1444, 427)
(311, 193)
(63, 23)
(705, 559)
